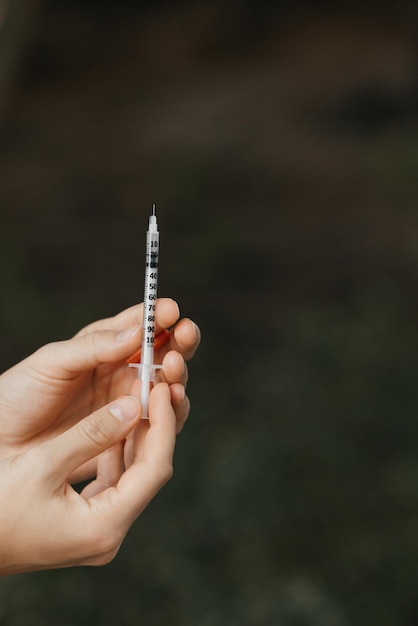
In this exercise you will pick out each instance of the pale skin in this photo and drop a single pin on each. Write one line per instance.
(70, 412)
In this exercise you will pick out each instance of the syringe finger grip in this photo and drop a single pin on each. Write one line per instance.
(152, 369)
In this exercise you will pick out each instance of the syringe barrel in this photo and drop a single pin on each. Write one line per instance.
(150, 300)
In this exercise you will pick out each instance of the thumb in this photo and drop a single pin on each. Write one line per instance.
(91, 436)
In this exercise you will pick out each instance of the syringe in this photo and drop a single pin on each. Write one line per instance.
(146, 368)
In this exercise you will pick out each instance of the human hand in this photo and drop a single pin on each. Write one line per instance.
(45, 523)
(65, 381)
(54, 430)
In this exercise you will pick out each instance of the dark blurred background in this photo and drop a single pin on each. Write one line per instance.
(280, 143)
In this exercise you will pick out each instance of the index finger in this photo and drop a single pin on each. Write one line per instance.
(167, 313)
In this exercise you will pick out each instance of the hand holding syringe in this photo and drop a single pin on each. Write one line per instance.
(147, 368)
(59, 441)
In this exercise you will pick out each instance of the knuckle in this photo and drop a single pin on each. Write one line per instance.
(107, 550)
(165, 473)
(157, 474)
(43, 355)
(97, 430)
(105, 559)
(93, 340)
(103, 545)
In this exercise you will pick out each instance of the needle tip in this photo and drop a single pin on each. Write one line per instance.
(153, 209)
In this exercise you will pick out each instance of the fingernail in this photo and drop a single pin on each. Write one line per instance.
(125, 409)
(167, 391)
(126, 335)
(165, 387)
